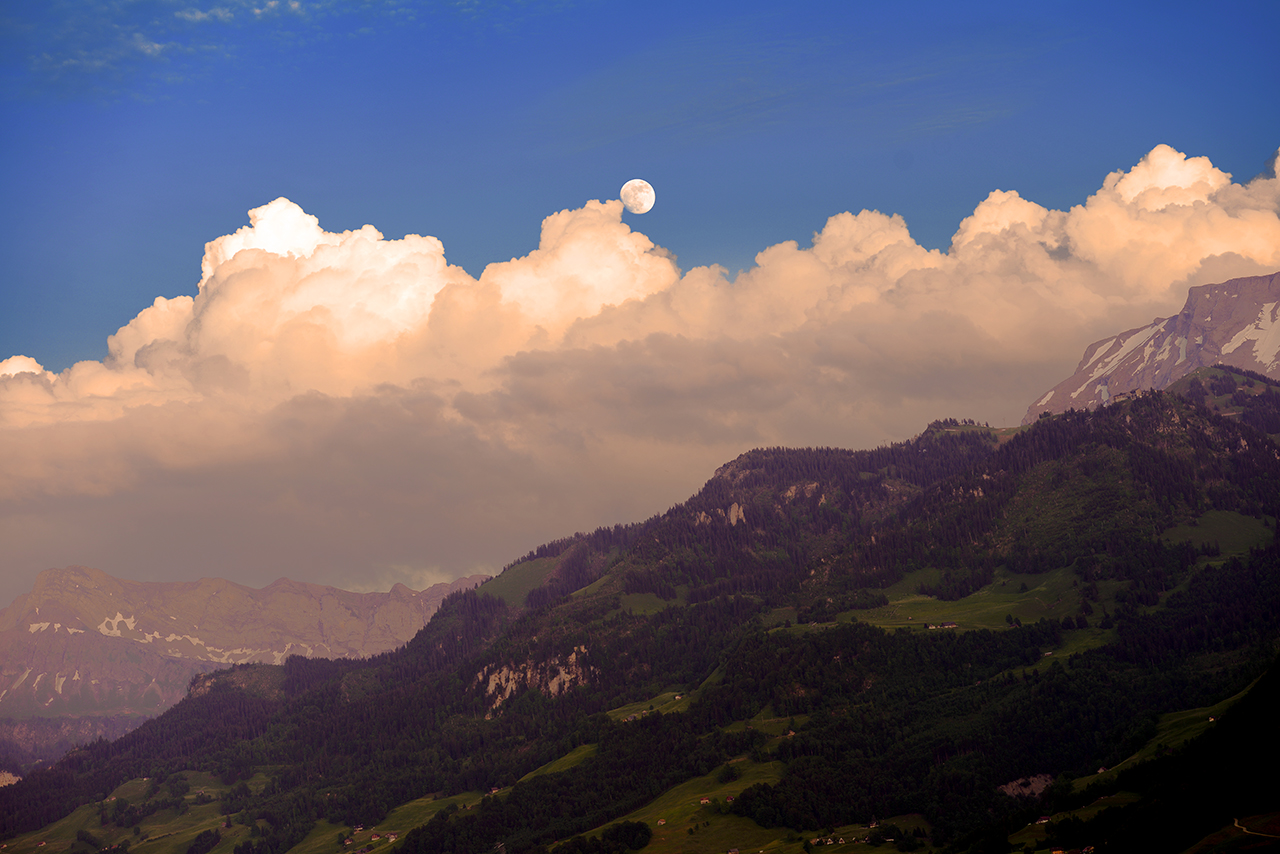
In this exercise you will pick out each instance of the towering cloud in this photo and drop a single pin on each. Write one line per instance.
(355, 410)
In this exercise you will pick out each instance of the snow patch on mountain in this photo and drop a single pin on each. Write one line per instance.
(132, 646)
(1264, 334)
(1234, 323)
(114, 631)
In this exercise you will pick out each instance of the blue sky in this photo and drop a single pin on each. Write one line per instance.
(304, 399)
(134, 132)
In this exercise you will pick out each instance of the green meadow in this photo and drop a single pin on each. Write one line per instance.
(683, 824)
(1234, 533)
(1053, 595)
(573, 758)
(514, 584)
(671, 700)
(644, 603)
(688, 825)
(163, 832)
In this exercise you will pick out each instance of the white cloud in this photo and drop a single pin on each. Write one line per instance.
(348, 408)
(1167, 177)
(20, 364)
(217, 13)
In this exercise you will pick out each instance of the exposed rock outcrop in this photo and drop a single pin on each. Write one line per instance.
(552, 677)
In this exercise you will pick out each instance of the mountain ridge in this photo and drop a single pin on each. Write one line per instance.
(84, 642)
(1234, 323)
(755, 634)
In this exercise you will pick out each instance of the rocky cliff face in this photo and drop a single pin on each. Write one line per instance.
(1235, 323)
(82, 642)
(31, 740)
(552, 677)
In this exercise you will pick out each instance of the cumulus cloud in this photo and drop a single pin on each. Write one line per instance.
(343, 407)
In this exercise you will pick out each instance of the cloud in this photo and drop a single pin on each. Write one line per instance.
(103, 50)
(18, 365)
(355, 410)
(195, 16)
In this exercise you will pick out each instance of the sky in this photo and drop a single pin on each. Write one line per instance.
(342, 291)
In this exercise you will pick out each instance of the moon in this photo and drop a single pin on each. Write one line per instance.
(637, 196)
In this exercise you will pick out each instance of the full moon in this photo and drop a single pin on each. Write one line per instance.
(637, 196)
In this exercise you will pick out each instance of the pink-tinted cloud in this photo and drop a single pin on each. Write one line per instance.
(342, 407)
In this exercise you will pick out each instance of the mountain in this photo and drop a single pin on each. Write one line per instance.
(27, 741)
(1236, 323)
(85, 644)
(817, 639)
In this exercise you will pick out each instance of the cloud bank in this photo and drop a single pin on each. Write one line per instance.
(355, 410)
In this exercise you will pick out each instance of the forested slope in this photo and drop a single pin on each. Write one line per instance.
(715, 598)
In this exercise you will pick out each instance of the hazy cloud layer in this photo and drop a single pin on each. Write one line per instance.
(353, 410)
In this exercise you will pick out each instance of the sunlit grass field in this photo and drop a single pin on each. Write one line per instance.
(572, 759)
(513, 585)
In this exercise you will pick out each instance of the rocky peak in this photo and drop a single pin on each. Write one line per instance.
(1234, 323)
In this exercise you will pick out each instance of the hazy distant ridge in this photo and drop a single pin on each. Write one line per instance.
(84, 642)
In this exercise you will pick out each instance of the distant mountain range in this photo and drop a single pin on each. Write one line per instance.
(83, 643)
(1235, 323)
